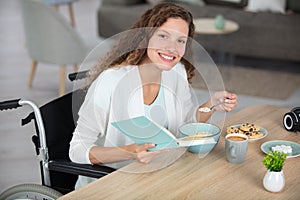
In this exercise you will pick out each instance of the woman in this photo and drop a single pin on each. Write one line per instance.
(151, 81)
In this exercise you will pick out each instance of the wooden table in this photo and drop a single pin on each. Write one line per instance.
(206, 26)
(211, 177)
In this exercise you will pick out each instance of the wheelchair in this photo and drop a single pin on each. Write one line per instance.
(54, 124)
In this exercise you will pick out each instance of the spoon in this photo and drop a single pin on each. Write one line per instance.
(207, 109)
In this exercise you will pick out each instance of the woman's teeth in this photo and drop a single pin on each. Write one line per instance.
(167, 57)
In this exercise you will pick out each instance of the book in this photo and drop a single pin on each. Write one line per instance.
(143, 130)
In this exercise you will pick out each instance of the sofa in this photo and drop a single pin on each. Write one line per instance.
(261, 34)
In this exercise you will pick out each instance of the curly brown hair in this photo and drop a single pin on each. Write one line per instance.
(135, 41)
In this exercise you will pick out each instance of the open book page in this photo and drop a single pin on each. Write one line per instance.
(187, 143)
(143, 130)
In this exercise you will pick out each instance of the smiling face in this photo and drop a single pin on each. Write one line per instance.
(167, 45)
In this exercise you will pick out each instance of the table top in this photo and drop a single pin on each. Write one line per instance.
(207, 26)
(213, 177)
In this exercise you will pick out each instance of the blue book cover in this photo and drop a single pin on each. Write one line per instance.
(143, 130)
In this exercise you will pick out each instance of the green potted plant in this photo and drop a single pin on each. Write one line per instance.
(274, 179)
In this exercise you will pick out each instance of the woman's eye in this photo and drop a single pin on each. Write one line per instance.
(163, 36)
(182, 41)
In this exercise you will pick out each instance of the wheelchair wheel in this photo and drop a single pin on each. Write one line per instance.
(30, 191)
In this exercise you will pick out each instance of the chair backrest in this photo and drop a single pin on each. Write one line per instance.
(49, 36)
(59, 118)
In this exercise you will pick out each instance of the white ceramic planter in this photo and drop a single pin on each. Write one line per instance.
(274, 181)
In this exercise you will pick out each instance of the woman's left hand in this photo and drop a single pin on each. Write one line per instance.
(230, 101)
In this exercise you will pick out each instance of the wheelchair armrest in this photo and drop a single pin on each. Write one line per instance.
(95, 171)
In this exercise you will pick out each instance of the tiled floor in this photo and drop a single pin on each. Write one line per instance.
(18, 163)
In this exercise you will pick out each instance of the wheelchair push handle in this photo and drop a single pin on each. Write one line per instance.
(78, 75)
(10, 104)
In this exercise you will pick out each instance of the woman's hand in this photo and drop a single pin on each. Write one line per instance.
(142, 155)
(100, 155)
(230, 99)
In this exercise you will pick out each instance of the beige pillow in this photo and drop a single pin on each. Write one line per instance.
(275, 6)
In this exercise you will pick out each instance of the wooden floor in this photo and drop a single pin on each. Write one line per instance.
(18, 163)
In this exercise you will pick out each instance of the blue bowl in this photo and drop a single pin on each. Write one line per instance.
(193, 128)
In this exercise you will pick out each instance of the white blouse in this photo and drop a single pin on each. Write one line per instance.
(156, 111)
(117, 95)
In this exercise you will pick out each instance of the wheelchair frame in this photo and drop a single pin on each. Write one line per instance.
(47, 165)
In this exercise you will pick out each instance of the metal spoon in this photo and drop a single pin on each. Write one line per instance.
(222, 102)
(207, 109)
